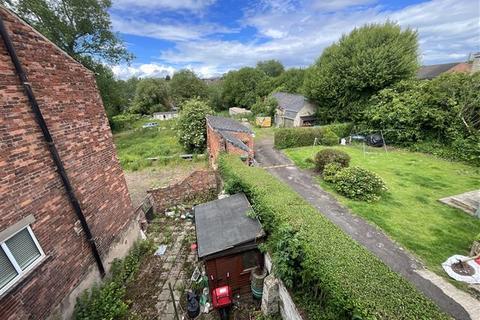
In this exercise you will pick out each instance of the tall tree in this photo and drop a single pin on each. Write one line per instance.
(290, 81)
(272, 68)
(151, 95)
(186, 85)
(82, 28)
(360, 64)
(241, 88)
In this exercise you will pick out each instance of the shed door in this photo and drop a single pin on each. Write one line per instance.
(224, 272)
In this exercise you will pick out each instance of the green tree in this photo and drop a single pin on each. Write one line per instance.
(264, 107)
(185, 85)
(127, 90)
(81, 28)
(215, 91)
(290, 81)
(241, 88)
(151, 95)
(272, 68)
(191, 125)
(359, 65)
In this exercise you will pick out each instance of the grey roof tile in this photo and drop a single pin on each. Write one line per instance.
(222, 123)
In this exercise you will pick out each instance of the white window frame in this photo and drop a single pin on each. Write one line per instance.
(20, 273)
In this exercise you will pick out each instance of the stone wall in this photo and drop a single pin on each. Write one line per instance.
(29, 183)
(288, 310)
(200, 185)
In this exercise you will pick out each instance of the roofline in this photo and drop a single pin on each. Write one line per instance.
(2, 7)
(247, 130)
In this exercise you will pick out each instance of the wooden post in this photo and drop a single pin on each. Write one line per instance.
(173, 301)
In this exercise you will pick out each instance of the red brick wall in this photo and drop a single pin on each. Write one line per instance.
(216, 144)
(29, 184)
(200, 184)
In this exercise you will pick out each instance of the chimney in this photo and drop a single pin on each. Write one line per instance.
(475, 58)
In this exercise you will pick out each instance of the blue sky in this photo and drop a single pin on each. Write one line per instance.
(212, 37)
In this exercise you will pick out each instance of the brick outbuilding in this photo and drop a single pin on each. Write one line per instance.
(46, 260)
(230, 136)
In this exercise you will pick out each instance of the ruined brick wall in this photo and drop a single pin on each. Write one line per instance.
(216, 144)
(29, 184)
(201, 184)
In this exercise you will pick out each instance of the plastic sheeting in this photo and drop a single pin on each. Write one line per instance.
(447, 266)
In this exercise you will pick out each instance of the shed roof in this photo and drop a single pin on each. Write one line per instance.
(223, 224)
(290, 102)
(221, 123)
(233, 140)
(434, 70)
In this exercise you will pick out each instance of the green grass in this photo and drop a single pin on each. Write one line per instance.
(136, 145)
(410, 212)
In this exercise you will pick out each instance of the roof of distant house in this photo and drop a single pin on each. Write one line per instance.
(292, 103)
(223, 224)
(221, 123)
(433, 71)
(166, 112)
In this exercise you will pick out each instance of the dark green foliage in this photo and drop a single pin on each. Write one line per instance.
(299, 137)
(191, 126)
(272, 68)
(441, 116)
(360, 64)
(185, 85)
(288, 256)
(123, 121)
(215, 99)
(359, 183)
(290, 81)
(107, 301)
(264, 107)
(326, 156)
(330, 170)
(342, 130)
(241, 88)
(151, 95)
(338, 278)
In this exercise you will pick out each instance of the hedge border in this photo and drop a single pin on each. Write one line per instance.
(354, 281)
(305, 136)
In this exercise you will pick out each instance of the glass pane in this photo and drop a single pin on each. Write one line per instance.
(23, 248)
(249, 259)
(7, 271)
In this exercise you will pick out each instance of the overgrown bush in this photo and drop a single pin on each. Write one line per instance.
(288, 256)
(123, 121)
(264, 107)
(330, 171)
(359, 183)
(192, 125)
(300, 137)
(339, 277)
(329, 138)
(107, 301)
(326, 156)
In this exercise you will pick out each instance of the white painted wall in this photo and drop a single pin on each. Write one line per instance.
(308, 110)
(288, 310)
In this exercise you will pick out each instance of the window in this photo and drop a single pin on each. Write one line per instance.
(249, 259)
(19, 254)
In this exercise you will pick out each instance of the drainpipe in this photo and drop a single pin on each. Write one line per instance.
(51, 145)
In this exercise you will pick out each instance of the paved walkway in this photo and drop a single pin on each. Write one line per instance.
(450, 299)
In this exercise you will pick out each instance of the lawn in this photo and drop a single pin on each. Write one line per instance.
(135, 146)
(410, 212)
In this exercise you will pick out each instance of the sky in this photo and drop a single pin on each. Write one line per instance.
(212, 37)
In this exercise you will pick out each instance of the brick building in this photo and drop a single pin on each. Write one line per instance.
(228, 135)
(46, 260)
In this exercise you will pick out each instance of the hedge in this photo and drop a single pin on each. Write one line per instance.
(352, 281)
(305, 136)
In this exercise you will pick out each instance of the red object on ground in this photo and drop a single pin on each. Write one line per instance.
(222, 297)
(477, 260)
(193, 247)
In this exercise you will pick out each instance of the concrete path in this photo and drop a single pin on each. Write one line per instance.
(450, 299)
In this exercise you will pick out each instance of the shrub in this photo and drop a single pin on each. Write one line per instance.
(330, 171)
(326, 156)
(123, 121)
(107, 301)
(359, 183)
(301, 137)
(338, 276)
(192, 125)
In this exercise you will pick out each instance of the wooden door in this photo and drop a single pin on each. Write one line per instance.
(223, 271)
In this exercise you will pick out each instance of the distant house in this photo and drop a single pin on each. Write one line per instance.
(236, 111)
(228, 135)
(293, 110)
(167, 115)
(435, 70)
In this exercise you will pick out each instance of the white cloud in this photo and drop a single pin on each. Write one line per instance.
(330, 5)
(143, 71)
(190, 5)
(448, 30)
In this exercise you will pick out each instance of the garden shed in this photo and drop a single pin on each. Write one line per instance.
(228, 241)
